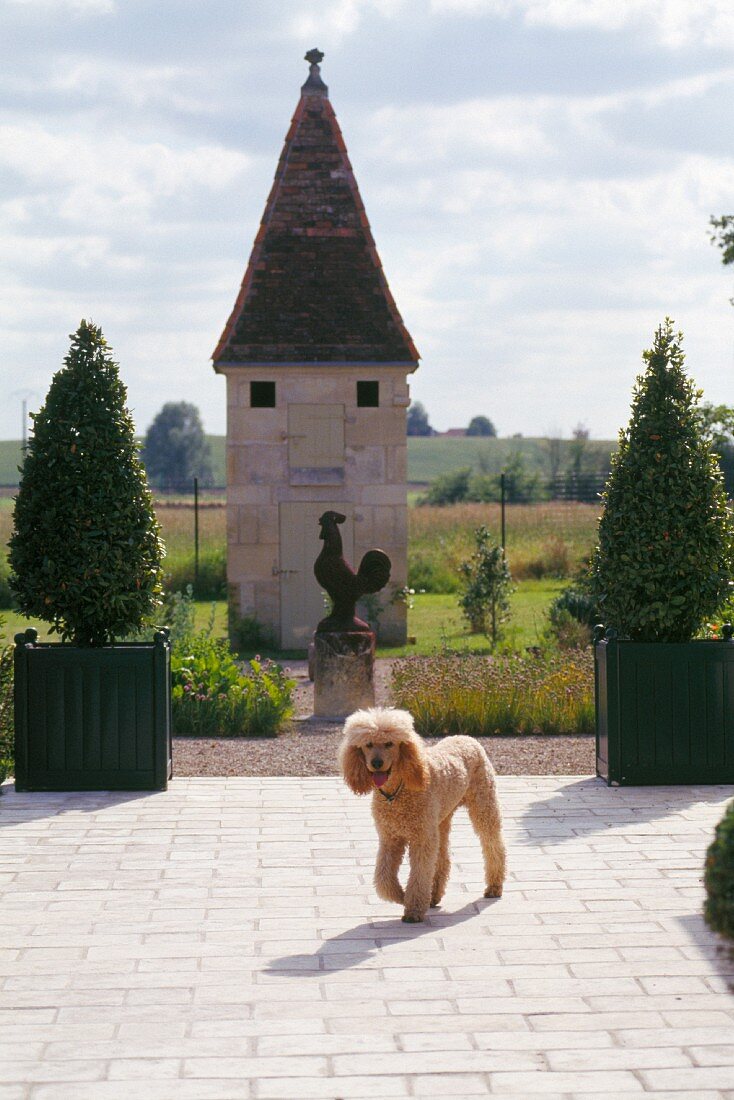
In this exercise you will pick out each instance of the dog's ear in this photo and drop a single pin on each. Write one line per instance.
(413, 764)
(354, 768)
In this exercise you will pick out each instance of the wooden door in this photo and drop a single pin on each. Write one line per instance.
(301, 602)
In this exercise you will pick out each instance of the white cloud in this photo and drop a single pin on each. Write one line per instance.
(85, 177)
(674, 23)
(75, 7)
(338, 19)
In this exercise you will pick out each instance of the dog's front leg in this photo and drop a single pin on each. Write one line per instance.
(423, 854)
(389, 857)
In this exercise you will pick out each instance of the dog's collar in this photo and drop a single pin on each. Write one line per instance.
(394, 795)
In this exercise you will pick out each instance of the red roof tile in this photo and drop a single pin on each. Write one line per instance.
(314, 289)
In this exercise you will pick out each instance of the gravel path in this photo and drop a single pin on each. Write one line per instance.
(309, 746)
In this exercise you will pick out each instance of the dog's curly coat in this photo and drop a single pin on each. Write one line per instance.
(416, 791)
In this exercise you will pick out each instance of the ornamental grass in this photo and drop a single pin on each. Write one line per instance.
(462, 693)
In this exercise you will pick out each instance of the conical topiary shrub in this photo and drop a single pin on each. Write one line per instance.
(664, 557)
(85, 553)
(719, 877)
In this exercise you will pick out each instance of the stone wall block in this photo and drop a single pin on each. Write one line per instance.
(257, 425)
(247, 525)
(268, 531)
(252, 562)
(366, 465)
(248, 494)
(260, 464)
(384, 494)
(396, 468)
(369, 426)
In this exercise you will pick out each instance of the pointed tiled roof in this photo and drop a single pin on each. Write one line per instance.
(314, 289)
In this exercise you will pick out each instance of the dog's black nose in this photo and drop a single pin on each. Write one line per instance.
(376, 762)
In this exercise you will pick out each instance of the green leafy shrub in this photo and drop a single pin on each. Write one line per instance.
(6, 595)
(85, 553)
(429, 571)
(7, 746)
(664, 556)
(487, 586)
(466, 485)
(210, 583)
(449, 488)
(210, 692)
(247, 633)
(719, 877)
(479, 695)
(573, 613)
(211, 695)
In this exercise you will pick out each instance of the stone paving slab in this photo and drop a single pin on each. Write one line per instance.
(223, 939)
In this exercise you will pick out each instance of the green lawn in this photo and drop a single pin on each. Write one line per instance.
(435, 620)
(14, 623)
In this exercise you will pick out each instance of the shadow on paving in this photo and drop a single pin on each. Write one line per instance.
(589, 807)
(356, 945)
(710, 946)
(38, 805)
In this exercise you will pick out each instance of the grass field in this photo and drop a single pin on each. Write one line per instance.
(427, 457)
(11, 454)
(434, 455)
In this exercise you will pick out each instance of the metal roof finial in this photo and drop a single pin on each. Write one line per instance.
(315, 85)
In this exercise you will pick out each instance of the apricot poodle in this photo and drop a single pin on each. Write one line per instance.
(416, 791)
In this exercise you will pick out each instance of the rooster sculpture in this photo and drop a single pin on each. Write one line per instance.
(341, 583)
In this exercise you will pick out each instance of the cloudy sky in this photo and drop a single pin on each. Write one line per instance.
(539, 175)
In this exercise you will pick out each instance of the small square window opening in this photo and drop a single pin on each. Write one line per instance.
(368, 395)
(262, 395)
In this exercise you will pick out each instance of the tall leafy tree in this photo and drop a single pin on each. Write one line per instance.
(723, 237)
(85, 553)
(664, 557)
(176, 449)
(418, 420)
(481, 425)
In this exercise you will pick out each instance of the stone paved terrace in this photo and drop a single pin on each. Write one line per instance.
(223, 940)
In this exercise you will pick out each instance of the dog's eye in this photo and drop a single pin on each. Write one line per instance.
(368, 745)
(388, 744)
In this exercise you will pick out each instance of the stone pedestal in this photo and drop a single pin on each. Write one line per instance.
(344, 665)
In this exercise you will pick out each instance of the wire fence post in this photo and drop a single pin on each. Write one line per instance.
(196, 532)
(502, 511)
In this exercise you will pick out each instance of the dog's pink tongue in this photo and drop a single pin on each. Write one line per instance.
(378, 778)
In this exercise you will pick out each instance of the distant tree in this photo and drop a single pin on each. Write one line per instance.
(717, 425)
(480, 425)
(418, 420)
(723, 237)
(175, 449)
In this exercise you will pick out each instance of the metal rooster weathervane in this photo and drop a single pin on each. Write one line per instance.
(341, 583)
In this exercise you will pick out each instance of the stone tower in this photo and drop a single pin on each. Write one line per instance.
(316, 358)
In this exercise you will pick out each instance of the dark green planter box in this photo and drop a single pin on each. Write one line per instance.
(664, 712)
(92, 719)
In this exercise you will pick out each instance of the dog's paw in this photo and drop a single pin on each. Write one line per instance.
(493, 891)
(435, 905)
(412, 918)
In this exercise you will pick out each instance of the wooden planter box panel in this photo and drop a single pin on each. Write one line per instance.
(92, 719)
(664, 712)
